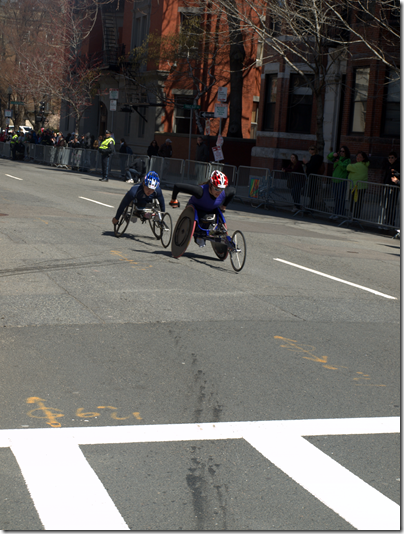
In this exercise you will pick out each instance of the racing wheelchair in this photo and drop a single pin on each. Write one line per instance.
(209, 227)
(160, 223)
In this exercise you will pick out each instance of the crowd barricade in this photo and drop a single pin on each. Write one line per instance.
(172, 170)
(253, 184)
(140, 162)
(283, 183)
(377, 204)
(229, 170)
(5, 150)
(156, 165)
(195, 172)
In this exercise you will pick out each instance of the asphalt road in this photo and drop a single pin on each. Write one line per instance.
(143, 392)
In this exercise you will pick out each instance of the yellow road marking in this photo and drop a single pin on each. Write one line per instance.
(47, 412)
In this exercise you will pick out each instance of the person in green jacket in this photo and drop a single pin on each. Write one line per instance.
(341, 160)
(358, 174)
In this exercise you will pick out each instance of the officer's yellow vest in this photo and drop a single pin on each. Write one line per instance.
(105, 144)
(14, 139)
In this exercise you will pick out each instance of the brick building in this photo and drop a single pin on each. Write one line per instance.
(123, 26)
(361, 110)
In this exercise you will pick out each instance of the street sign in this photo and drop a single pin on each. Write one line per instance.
(192, 106)
(113, 94)
(8, 113)
(217, 152)
(221, 111)
(16, 103)
(112, 105)
(207, 127)
(222, 94)
(207, 114)
(219, 141)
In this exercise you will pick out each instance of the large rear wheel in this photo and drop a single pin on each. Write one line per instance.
(124, 219)
(183, 232)
(166, 227)
(238, 255)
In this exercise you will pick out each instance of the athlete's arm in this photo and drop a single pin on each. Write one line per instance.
(195, 190)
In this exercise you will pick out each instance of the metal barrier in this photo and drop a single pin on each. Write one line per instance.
(286, 189)
(195, 172)
(376, 204)
(253, 184)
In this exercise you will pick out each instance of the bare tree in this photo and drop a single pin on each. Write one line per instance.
(310, 36)
(42, 44)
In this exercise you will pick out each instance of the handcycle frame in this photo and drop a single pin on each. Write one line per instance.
(213, 228)
(161, 228)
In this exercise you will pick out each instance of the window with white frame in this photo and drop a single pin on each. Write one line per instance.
(360, 97)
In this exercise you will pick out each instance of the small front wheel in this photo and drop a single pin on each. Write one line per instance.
(155, 226)
(124, 219)
(238, 251)
(166, 226)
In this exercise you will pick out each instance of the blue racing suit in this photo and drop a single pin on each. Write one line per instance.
(137, 195)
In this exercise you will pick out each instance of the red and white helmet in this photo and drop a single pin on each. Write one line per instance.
(218, 179)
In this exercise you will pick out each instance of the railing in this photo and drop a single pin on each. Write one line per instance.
(337, 199)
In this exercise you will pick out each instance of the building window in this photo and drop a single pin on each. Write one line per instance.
(182, 116)
(360, 96)
(391, 108)
(300, 104)
(142, 121)
(139, 32)
(271, 81)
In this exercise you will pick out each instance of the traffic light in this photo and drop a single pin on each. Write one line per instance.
(42, 107)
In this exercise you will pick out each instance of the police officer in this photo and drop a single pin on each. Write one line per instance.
(107, 147)
(13, 144)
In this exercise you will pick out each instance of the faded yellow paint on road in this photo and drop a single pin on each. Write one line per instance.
(47, 412)
(291, 344)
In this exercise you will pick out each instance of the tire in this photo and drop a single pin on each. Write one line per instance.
(124, 220)
(155, 228)
(238, 258)
(183, 232)
(166, 230)
(220, 249)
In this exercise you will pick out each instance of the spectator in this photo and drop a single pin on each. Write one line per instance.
(313, 166)
(74, 141)
(166, 150)
(391, 193)
(153, 149)
(340, 160)
(202, 151)
(295, 182)
(358, 174)
(107, 147)
(123, 149)
(97, 142)
(62, 141)
(136, 172)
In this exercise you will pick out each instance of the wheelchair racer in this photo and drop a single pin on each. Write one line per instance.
(141, 195)
(206, 198)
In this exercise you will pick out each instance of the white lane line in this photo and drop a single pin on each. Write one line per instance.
(65, 490)
(52, 464)
(354, 500)
(15, 177)
(337, 279)
(96, 202)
